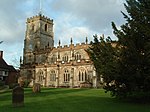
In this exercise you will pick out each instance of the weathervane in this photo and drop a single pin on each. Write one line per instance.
(40, 7)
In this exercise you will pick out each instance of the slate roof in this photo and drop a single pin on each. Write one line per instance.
(12, 69)
(4, 65)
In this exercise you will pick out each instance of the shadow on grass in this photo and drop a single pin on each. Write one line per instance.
(63, 104)
(72, 100)
(53, 91)
(77, 104)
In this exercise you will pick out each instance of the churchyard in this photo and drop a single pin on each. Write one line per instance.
(69, 100)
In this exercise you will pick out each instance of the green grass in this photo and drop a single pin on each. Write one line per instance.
(69, 100)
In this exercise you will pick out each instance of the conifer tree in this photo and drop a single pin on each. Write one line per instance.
(129, 73)
(134, 40)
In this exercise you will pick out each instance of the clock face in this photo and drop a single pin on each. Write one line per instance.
(30, 47)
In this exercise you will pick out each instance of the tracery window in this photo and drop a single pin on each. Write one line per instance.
(52, 76)
(53, 59)
(41, 76)
(66, 76)
(82, 76)
(65, 58)
(77, 56)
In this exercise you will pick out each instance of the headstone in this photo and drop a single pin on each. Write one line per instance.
(36, 88)
(18, 96)
(85, 85)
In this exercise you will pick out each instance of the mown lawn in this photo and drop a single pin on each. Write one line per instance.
(69, 100)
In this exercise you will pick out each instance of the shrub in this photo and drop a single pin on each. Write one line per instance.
(2, 83)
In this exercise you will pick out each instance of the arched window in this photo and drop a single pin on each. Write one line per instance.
(53, 59)
(83, 75)
(65, 58)
(52, 76)
(77, 56)
(46, 27)
(79, 76)
(32, 27)
(66, 76)
(86, 78)
(41, 76)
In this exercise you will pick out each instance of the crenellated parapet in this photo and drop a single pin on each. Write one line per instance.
(40, 17)
(83, 45)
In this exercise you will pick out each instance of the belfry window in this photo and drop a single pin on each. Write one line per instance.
(32, 27)
(46, 27)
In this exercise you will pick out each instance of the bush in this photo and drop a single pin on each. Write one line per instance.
(2, 83)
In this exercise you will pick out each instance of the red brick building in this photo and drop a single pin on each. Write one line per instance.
(8, 73)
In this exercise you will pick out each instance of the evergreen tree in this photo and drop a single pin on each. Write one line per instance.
(134, 39)
(131, 57)
(104, 54)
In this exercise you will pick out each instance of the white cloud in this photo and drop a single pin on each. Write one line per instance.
(72, 18)
(95, 14)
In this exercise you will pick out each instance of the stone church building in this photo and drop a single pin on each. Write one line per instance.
(60, 66)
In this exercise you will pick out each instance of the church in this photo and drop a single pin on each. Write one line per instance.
(54, 66)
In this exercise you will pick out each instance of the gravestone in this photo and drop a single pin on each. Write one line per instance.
(18, 97)
(85, 85)
(36, 88)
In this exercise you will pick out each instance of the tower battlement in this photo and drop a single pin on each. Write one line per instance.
(40, 17)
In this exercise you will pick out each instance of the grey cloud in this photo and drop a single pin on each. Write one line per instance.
(88, 16)
(95, 14)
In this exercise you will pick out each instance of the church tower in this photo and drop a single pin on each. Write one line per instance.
(39, 34)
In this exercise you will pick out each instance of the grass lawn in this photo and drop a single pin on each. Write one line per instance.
(69, 100)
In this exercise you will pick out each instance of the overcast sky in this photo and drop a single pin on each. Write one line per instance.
(72, 18)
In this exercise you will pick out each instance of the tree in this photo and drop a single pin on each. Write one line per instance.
(104, 54)
(134, 39)
(131, 56)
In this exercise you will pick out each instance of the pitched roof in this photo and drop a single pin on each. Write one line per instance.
(12, 69)
(3, 64)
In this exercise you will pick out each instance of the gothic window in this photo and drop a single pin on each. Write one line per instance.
(79, 76)
(33, 27)
(65, 58)
(82, 75)
(52, 76)
(53, 59)
(46, 27)
(77, 56)
(41, 76)
(85, 74)
(66, 76)
(29, 58)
